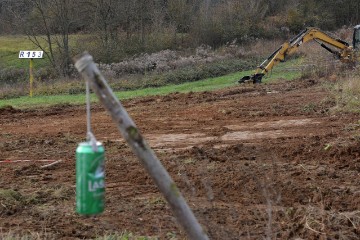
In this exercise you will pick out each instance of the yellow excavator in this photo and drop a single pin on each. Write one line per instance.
(342, 51)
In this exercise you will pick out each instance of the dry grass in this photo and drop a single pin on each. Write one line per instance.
(340, 78)
(260, 48)
(15, 236)
(321, 223)
(348, 93)
(10, 200)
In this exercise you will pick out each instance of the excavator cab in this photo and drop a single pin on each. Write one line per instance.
(356, 38)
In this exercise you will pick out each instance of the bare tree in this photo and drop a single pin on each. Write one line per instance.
(48, 26)
(180, 15)
(105, 21)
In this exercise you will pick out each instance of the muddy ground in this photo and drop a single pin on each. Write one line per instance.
(270, 161)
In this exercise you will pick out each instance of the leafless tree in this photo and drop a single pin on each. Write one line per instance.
(48, 25)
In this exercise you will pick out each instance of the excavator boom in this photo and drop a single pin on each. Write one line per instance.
(344, 52)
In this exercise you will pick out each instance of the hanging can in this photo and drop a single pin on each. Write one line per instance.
(90, 179)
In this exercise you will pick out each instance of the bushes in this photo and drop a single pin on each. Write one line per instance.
(168, 60)
(170, 67)
(143, 63)
(12, 75)
(188, 74)
(199, 72)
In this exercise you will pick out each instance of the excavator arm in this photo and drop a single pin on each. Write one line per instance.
(344, 52)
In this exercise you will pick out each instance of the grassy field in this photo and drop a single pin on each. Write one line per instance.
(9, 51)
(11, 45)
(282, 72)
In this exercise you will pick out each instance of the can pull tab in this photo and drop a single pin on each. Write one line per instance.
(92, 140)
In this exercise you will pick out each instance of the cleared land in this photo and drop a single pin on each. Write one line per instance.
(253, 161)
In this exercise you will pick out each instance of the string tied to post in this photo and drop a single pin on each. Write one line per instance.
(90, 137)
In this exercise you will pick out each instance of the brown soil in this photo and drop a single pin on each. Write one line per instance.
(269, 161)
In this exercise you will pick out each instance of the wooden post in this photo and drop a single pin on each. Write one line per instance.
(86, 66)
(31, 76)
(31, 55)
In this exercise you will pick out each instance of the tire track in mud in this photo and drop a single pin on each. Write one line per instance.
(259, 130)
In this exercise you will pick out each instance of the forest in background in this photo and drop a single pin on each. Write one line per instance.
(126, 27)
(116, 30)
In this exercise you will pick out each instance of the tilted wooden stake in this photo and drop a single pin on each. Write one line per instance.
(86, 66)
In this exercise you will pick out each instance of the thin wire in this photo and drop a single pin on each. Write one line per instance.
(88, 111)
(89, 136)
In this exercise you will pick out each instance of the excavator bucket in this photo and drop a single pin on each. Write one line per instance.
(244, 79)
(256, 78)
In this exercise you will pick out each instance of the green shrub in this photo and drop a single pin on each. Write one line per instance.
(12, 75)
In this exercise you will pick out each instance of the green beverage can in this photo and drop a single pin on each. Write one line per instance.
(90, 179)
